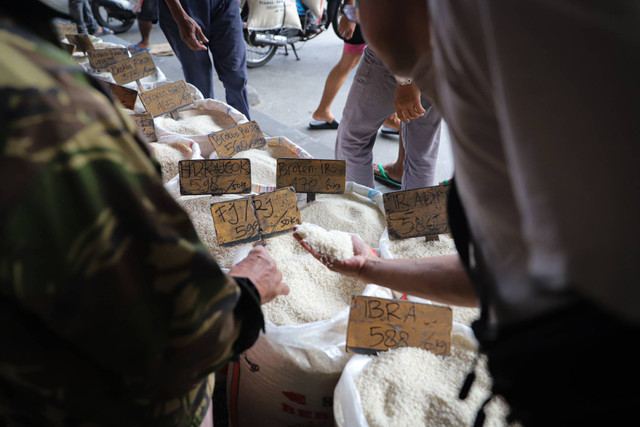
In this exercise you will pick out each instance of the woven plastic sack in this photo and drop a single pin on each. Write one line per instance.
(289, 375)
(273, 14)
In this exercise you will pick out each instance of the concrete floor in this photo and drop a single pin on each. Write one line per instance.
(284, 92)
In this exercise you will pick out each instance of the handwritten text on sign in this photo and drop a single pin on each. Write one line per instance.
(380, 324)
(82, 42)
(133, 68)
(126, 96)
(215, 176)
(249, 218)
(415, 213)
(166, 98)
(235, 139)
(100, 59)
(312, 175)
(146, 125)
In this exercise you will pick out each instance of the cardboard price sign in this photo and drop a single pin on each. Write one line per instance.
(100, 59)
(254, 217)
(146, 125)
(126, 96)
(64, 28)
(415, 213)
(235, 139)
(215, 176)
(134, 68)
(82, 42)
(312, 175)
(166, 98)
(380, 324)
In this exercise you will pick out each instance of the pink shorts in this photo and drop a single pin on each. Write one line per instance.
(354, 49)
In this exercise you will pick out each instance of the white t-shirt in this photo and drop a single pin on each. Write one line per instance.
(541, 99)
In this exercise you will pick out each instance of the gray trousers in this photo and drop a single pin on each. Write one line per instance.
(82, 16)
(369, 103)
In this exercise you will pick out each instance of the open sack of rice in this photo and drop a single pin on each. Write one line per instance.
(414, 387)
(289, 375)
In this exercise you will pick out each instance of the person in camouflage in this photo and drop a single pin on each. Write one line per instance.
(111, 311)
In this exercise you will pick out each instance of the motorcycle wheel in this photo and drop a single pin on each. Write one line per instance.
(118, 25)
(334, 14)
(257, 56)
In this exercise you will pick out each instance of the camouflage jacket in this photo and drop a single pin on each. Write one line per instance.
(111, 311)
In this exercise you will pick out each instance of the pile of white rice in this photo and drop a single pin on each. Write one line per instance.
(331, 244)
(414, 387)
(196, 122)
(168, 155)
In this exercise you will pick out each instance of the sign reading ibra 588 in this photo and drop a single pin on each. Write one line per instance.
(380, 324)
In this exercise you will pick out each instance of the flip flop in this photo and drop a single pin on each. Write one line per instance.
(138, 48)
(317, 124)
(380, 175)
(387, 130)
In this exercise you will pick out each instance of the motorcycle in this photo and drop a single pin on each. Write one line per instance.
(262, 44)
(118, 15)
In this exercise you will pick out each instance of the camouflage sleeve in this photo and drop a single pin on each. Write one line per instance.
(107, 282)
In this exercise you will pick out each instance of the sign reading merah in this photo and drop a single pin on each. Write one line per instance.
(242, 137)
(381, 324)
(214, 176)
(416, 213)
(311, 175)
(133, 68)
(166, 98)
(253, 217)
(146, 125)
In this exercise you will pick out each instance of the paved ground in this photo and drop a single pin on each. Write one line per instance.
(284, 93)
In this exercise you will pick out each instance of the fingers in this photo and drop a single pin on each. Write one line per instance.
(203, 39)
(410, 112)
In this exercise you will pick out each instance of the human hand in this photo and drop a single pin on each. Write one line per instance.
(191, 33)
(346, 27)
(407, 102)
(351, 267)
(261, 269)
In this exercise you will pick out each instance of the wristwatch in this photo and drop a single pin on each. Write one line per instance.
(403, 81)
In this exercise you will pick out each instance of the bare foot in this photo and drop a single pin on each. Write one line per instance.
(323, 117)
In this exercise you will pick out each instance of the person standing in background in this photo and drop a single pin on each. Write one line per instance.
(207, 34)
(147, 16)
(82, 16)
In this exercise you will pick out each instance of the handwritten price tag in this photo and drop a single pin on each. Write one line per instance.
(380, 324)
(100, 59)
(415, 213)
(312, 175)
(215, 176)
(250, 218)
(235, 139)
(133, 68)
(146, 125)
(166, 98)
(82, 42)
